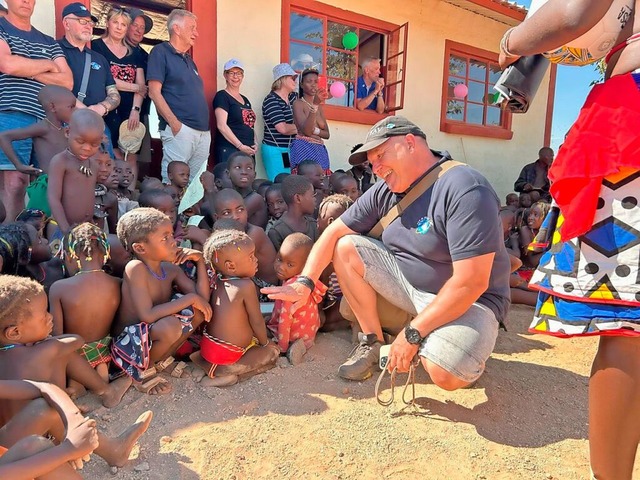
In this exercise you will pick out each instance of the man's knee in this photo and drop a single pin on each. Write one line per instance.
(442, 377)
(345, 252)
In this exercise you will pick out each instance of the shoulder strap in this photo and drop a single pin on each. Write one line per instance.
(409, 198)
(82, 93)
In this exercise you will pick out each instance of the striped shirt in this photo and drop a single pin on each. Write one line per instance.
(18, 93)
(275, 110)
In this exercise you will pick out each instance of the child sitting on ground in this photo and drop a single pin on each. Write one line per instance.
(295, 328)
(512, 201)
(347, 185)
(330, 209)
(105, 211)
(153, 321)
(178, 174)
(235, 343)
(71, 190)
(229, 204)
(73, 303)
(275, 204)
(314, 172)
(299, 195)
(48, 137)
(242, 173)
(27, 352)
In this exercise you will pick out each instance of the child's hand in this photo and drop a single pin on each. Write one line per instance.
(195, 234)
(82, 440)
(185, 254)
(29, 170)
(203, 306)
(207, 180)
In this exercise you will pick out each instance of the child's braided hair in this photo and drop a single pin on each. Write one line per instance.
(15, 245)
(337, 199)
(86, 239)
(16, 293)
(221, 239)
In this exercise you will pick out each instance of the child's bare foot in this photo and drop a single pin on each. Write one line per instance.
(75, 390)
(116, 451)
(296, 352)
(154, 386)
(225, 381)
(115, 391)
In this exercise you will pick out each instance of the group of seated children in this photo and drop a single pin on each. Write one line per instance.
(107, 282)
(521, 223)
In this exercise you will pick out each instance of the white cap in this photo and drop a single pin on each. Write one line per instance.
(233, 63)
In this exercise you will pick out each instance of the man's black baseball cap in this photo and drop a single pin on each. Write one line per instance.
(381, 132)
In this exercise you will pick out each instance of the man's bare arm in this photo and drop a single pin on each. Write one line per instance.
(62, 77)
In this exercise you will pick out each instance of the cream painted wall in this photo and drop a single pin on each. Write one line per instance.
(255, 40)
(44, 17)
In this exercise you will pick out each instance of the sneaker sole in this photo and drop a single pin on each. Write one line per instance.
(354, 377)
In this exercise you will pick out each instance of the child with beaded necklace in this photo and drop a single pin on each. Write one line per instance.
(73, 303)
(71, 179)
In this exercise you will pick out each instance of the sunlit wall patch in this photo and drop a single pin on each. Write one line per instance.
(424, 225)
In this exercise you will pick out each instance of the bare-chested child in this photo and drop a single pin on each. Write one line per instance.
(34, 456)
(299, 195)
(153, 321)
(105, 209)
(295, 327)
(28, 352)
(86, 303)
(229, 204)
(242, 173)
(48, 134)
(235, 343)
(71, 179)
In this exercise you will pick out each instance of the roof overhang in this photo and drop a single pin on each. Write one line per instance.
(503, 11)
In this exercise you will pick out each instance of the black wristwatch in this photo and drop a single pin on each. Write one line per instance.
(412, 335)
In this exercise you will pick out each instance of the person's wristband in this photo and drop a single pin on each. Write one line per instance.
(240, 145)
(316, 131)
(504, 43)
(106, 109)
(306, 281)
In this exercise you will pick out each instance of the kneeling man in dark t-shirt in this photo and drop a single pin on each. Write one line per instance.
(438, 278)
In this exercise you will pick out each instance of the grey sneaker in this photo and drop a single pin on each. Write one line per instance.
(363, 359)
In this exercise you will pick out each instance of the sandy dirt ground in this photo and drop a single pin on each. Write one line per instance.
(526, 418)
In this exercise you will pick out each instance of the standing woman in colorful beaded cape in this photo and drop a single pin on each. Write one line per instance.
(588, 281)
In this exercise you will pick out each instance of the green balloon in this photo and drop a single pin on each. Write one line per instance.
(350, 40)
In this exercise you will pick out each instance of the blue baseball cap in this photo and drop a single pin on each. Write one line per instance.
(79, 10)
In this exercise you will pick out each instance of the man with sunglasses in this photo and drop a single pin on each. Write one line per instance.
(29, 60)
(100, 93)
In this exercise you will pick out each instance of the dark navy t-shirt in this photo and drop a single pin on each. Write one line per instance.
(182, 87)
(99, 76)
(455, 219)
(364, 92)
(240, 118)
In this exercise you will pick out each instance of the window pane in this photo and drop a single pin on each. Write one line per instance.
(494, 73)
(452, 84)
(457, 66)
(474, 113)
(341, 65)
(335, 32)
(347, 100)
(494, 115)
(304, 56)
(477, 70)
(305, 27)
(476, 92)
(455, 110)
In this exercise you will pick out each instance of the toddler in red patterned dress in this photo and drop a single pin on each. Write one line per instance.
(295, 330)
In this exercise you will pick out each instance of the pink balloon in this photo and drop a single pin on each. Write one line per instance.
(460, 90)
(337, 89)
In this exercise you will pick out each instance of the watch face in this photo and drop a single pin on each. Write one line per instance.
(413, 336)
